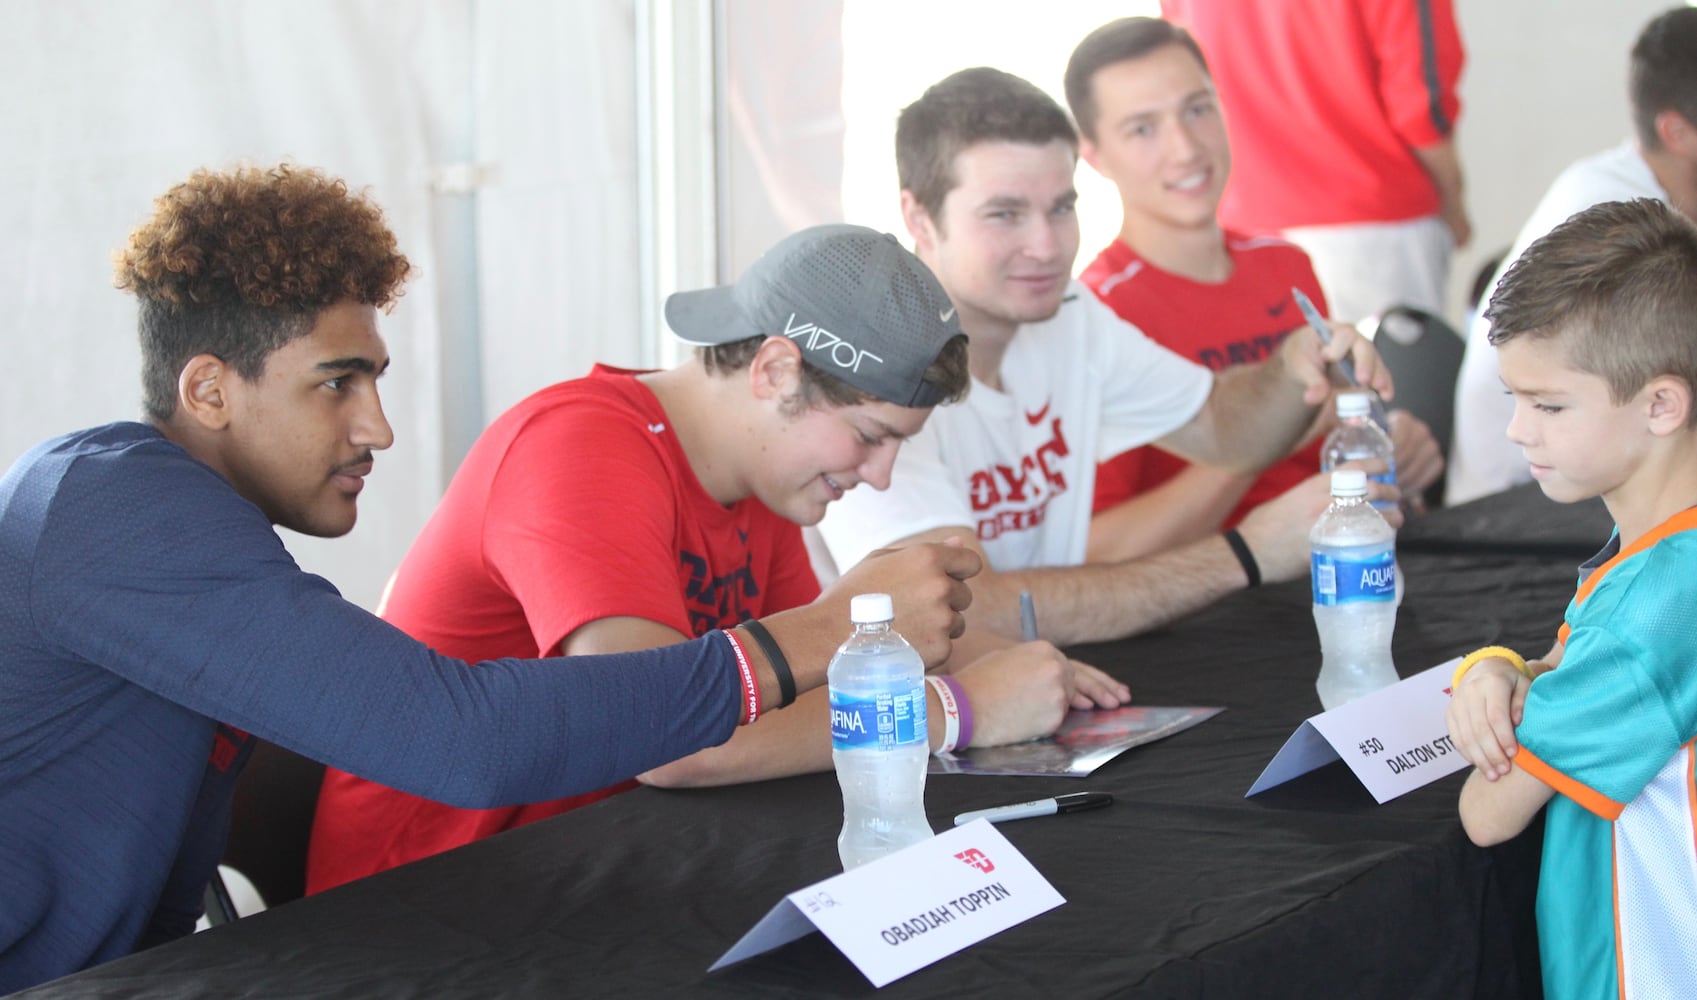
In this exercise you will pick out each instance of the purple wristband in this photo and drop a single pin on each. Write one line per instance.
(965, 705)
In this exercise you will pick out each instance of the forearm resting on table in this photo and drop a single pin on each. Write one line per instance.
(1100, 602)
(794, 740)
(1185, 508)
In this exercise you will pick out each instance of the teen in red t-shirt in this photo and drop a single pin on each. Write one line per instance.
(628, 510)
(1151, 123)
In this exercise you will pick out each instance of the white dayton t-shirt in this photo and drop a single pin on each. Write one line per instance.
(1019, 466)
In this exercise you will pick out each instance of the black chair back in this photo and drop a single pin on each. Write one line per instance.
(271, 821)
(1424, 356)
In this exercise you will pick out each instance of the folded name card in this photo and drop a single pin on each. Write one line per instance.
(911, 908)
(1394, 739)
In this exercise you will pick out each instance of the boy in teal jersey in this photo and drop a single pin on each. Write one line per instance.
(1596, 331)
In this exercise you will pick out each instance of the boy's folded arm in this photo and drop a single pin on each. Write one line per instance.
(1495, 811)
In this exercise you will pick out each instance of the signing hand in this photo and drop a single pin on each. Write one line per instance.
(1308, 360)
(1018, 693)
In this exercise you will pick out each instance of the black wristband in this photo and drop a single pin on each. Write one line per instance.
(1245, 558)
(775, 656)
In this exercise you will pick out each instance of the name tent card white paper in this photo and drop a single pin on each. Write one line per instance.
(911, 908)
(1394, 739)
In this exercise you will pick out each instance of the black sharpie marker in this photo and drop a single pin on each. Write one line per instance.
(1074, 802)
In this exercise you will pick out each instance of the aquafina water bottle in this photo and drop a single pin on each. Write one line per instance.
(880, 742)
(1357, 436)
(1354, 576)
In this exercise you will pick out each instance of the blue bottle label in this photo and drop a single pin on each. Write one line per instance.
(1345, 581)
(883, 721)
(1389, 479)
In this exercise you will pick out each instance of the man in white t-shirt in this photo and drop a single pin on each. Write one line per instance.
(1660, 162)
(986, 163)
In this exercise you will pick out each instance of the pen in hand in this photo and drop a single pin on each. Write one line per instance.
(1345, 365)
(1027, 617)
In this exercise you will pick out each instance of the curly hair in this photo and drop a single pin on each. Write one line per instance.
(237, 264)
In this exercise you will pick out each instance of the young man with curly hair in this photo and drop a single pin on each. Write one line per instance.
(152, 623)
(703, 475)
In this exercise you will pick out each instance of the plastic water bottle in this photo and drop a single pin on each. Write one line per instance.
(1357, 436)
(1354, 575)
(880, 742)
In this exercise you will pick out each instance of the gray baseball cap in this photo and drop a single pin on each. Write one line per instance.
(857, 303)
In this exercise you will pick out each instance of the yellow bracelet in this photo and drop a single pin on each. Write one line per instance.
(1488, 652)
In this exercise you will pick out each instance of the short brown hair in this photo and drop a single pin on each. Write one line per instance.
(1616, 287)
(949, 373)
(1116, 42)
(239, 263)
(1663, 72)
(965, 108)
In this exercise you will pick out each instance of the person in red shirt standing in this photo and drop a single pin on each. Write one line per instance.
(1343, 114)
(1151, 122)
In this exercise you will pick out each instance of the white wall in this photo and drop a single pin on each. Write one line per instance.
(498, 135)
(529, 270)
(1545, 85)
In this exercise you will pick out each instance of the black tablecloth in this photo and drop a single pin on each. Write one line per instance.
(1182, 888)
(1520, 521)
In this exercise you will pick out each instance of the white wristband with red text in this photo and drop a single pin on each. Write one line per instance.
(951, 713)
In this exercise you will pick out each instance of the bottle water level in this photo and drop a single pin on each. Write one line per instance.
(1353, 641)
(883, 805)
(1353, 572)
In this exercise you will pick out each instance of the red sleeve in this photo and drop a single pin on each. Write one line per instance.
(581, 523)
(1419, 54)
(792, 582)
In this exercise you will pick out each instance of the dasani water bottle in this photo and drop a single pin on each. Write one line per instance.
(880, 742)
(1354, 576)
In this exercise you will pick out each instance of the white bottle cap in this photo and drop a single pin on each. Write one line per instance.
(1353, 404)
(865, 609)
(1345, 483)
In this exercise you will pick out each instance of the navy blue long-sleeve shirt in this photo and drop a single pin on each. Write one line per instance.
(150, 619)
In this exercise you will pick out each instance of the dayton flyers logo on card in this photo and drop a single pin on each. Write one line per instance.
(976, 858)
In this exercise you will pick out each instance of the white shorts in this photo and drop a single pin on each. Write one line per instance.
(1368, 267)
